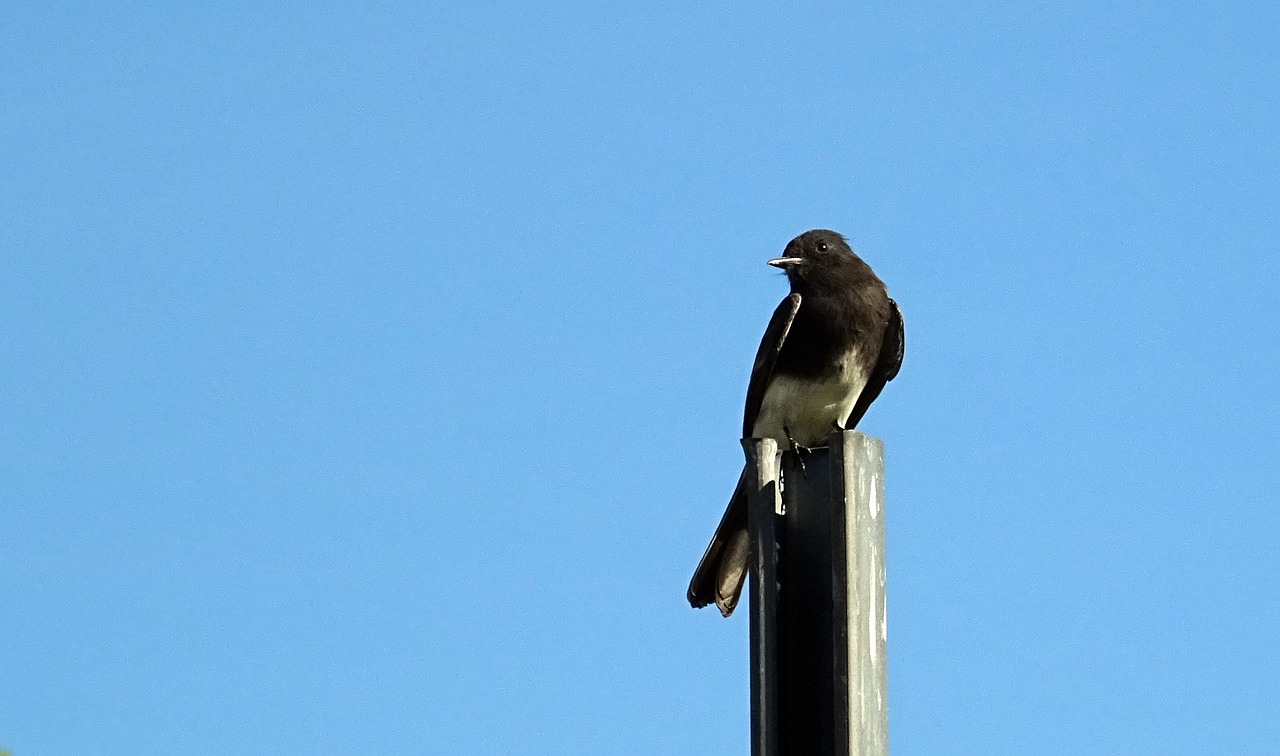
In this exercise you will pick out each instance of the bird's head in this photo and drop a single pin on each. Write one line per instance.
(813, 251)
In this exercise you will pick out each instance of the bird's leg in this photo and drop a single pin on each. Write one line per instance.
(797, 449)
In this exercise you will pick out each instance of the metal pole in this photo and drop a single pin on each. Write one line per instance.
(764, 502)
(818, 683)
(858, 540)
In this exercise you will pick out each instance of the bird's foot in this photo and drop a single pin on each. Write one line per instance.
(797, 450)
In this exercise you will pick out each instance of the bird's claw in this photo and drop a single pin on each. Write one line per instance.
(799, 451)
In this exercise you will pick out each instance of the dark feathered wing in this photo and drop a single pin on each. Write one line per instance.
(886, 367)
(723, 568)
(767, 357)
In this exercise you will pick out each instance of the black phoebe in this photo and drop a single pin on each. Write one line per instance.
(829, 349)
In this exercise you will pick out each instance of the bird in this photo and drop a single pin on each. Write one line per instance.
(829, 349)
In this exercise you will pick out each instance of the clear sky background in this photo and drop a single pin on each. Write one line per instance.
(372, 377)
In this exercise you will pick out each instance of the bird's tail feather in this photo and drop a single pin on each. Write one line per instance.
(723, 570)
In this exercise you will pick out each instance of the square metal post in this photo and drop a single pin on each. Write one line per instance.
(818, 683)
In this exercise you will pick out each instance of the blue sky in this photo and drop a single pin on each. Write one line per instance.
(373, 375)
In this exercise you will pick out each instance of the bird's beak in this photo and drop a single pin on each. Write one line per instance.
(785, 262)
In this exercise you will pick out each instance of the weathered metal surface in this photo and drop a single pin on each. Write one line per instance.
(859, 481)
(763, 501)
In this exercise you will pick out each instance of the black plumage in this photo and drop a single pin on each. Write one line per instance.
(827, 352)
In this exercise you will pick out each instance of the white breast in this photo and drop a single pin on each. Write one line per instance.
(809, 410)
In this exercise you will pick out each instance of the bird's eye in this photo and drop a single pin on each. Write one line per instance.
(822, 246)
